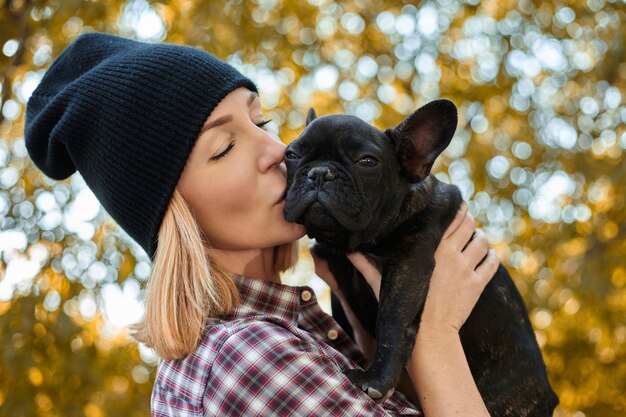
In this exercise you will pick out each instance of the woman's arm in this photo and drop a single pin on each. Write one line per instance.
(441, 376)
(438, 367)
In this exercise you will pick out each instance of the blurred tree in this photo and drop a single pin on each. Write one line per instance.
(538, 153)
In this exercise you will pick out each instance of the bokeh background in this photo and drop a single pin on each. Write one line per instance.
(538, 153)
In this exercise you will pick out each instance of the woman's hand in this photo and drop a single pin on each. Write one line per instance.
(365, 342)
(459, 276)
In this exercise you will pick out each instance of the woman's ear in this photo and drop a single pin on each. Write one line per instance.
(423, 135)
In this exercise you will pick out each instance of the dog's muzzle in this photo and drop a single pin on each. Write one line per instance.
(321, 173)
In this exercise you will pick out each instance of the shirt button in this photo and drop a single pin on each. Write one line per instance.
(305, 295)
(332, 334)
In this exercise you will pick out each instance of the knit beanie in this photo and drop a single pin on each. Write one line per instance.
(125, 114)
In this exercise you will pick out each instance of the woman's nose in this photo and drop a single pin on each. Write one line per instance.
(273, 152)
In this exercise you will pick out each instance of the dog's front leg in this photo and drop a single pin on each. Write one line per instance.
(403, 292)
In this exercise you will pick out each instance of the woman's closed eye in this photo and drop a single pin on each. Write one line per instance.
(223, 153)
(232, 143)
(263, 123)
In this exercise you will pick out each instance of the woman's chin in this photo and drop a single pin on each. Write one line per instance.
(298, 230)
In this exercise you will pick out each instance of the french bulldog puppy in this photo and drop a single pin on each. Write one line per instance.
(356, 188)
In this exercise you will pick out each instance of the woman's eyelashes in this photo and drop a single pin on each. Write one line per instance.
(232, 143)
(263, 123)
(222, 154)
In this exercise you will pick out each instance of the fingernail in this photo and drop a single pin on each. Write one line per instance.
(463, 205)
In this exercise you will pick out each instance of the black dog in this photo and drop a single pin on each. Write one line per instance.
(356, 188)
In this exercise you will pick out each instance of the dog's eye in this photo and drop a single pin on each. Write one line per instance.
(291, 155)
(367, 162)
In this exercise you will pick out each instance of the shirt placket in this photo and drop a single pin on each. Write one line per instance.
(324, 327)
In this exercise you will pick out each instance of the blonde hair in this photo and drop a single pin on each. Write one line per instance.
(186, 287)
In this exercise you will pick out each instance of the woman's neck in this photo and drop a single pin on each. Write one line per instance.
(256, 263)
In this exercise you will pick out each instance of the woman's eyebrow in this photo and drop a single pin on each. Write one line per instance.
(253, 96)
(225, 119)
(217, 122)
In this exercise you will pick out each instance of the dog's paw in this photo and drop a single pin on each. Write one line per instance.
(374, 387)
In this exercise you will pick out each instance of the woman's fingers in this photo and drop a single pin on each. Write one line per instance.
(456, 222)
(462, 232)
(323, 271)
(459, 276)
(487, 269)
(476, 248)
(371, 274)
(360, 262)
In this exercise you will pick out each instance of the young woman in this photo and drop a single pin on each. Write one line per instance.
(173, 143)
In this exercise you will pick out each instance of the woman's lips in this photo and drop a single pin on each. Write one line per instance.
(281, 198)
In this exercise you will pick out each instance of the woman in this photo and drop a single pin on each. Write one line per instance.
(173, 143)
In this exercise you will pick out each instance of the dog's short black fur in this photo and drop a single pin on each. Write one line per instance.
(356, 188)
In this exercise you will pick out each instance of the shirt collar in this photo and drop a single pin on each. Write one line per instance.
(265, 298)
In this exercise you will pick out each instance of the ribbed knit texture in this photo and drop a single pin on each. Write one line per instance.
(126, 115)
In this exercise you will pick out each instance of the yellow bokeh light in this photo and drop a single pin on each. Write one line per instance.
(35, 376)
(93, 410)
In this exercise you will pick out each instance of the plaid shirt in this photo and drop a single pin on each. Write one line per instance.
(277, 354)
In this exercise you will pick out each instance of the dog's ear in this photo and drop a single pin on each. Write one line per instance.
(310, 116)
(423, 135)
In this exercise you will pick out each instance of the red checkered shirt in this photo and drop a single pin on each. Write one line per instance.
(277, 354)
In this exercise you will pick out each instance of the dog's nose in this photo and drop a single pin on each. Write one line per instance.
(328, 174)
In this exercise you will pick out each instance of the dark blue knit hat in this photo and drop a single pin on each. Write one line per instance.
(125, 114)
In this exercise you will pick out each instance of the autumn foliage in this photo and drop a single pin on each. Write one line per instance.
(538, 153)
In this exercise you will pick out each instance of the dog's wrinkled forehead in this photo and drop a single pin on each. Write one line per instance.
(340, 131)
